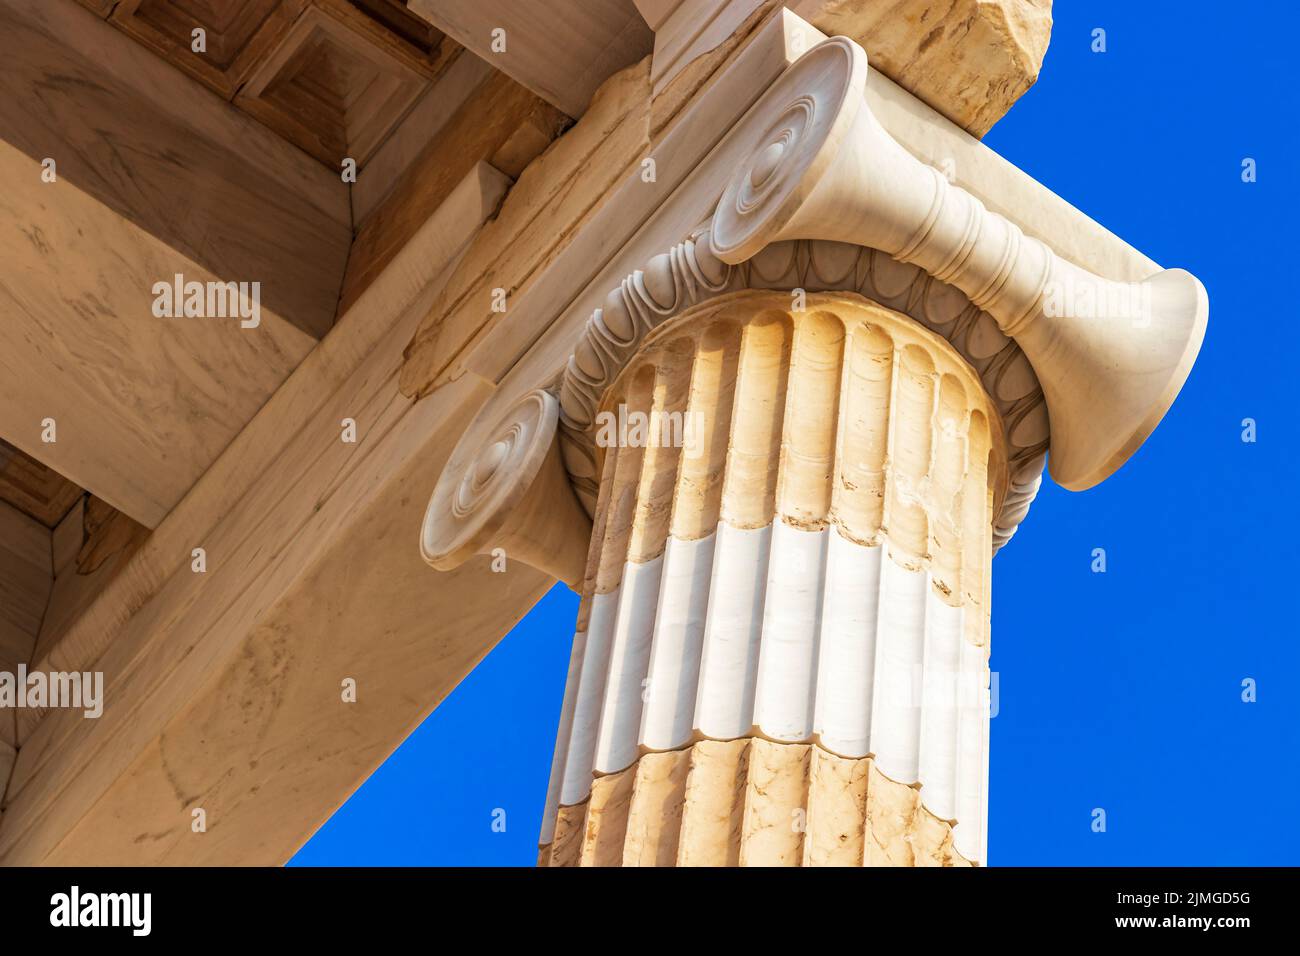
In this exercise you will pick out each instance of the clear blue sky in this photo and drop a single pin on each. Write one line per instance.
(1119, 690)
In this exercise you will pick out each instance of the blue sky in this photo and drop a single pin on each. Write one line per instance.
(1122, 690)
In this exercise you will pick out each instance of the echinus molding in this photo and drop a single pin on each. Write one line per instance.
(690, 274)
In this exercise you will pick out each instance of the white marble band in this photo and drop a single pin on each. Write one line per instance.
(795, 636)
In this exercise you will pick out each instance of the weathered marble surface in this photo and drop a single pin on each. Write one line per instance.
(808, 569)
(751, 803)
(969, 59)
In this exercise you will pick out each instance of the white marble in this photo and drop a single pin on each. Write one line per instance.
(797, 636)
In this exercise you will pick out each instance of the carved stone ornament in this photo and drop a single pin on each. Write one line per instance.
(828, 201)
(1111, 357)
(509, 493)
(690, 273)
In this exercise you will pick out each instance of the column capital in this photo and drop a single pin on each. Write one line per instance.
(1110, 356)
(811, 190)
(509, 492)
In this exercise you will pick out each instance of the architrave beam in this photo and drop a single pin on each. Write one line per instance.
(561, 50)
(152, 176)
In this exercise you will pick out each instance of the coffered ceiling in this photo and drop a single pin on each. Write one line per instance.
(333, 77)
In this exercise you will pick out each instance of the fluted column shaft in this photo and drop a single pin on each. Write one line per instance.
(781, 654)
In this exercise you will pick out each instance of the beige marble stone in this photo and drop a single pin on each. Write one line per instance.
(655, 817)
(566, 848)
(606, 824)
(751, 803)
(713, 817)
(969, 59)
(772, 833)
(836, 810)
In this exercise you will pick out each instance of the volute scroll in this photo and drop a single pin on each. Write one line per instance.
(508, 495)
(1111, 356)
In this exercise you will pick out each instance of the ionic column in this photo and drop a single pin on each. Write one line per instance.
(781, 654)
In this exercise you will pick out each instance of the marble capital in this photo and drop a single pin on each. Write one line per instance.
(817, 196)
